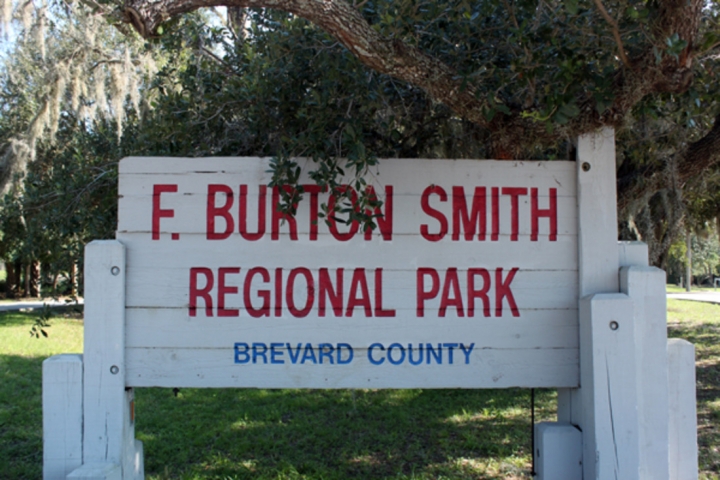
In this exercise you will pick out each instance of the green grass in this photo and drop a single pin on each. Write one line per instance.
(677, 289)
(322, 434)
(21, 359)
(699, 323)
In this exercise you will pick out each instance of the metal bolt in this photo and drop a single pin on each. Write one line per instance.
(614, 325)
(586, 167)
(115, 270)
(114, 369)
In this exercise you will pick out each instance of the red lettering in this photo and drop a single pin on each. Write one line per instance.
(354, 225)
(473, 293)
(379, 312)
(278, 216)
(495, 195)
(358, 282)
(384, 220)
(203, 292)
(514, 193)
(425, 204)
(314, 191)
(502, 290)
(214, 211)
(224, 290)
(290, 292)
(549, 213)
(477, 217)
(157, 212)
(451, 283)
(242, 214)
(278, 292)
(326, 290)
(264, 295)
(423, 294)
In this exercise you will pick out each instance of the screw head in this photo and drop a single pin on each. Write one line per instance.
(614, 325)
(115, 271)
(586, 167)
(114, 369)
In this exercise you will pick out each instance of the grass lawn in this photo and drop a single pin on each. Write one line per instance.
(293, 434)
(677, 289)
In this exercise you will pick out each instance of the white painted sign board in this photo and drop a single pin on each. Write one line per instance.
(496, 274)
(470, 281)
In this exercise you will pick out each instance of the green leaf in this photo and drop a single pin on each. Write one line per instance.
(571, 6)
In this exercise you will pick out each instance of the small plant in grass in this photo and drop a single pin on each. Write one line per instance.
(42, 321)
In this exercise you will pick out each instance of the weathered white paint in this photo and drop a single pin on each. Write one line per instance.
(597, 235)
(597, 213)
(104, 347)
(633, 254)
(558, 451)
(62, 415)
(608, 380)
(492, 368)
(683, 449)
(147, 332)
(646, 287)
(108, 429)
(154, 328)
(535, 346)
(156, 287)
(97, 471)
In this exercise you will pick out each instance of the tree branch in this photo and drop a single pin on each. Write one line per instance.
(511, 133)
(345, 23)
(616, 32)
(696, 158)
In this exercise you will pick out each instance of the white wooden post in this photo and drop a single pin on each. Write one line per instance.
(62, 415)
(607, 376)
(633, 254)
(97, 471)
(597, 235)
(683, 448)
(646, 286)
(109, 446)
(558, 451)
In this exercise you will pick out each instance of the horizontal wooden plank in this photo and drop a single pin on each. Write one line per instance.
(407, 171)
(151, 286)
(192, 177)
(172, 328)
(410, 252)
(523, 330)
(487, 368)
(190, 214)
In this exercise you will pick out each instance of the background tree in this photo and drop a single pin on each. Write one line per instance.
(345, 85)
(527, 77)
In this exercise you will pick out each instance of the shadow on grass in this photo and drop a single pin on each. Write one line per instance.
(20, 417)
(706, 338)
(337, 434)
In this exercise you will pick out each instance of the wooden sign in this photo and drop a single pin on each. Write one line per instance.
(470, 279)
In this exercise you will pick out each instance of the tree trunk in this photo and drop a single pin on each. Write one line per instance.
(34, 283)
(73, 280)
(10, 280)
(27, 280)
(688, 264)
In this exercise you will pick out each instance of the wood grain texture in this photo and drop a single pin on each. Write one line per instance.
(494, 368)
(646, 286)
(62, 404)
(534, 345)
(104, 348)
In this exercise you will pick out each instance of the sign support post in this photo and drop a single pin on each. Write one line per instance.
(482, 275)
(110, 450)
